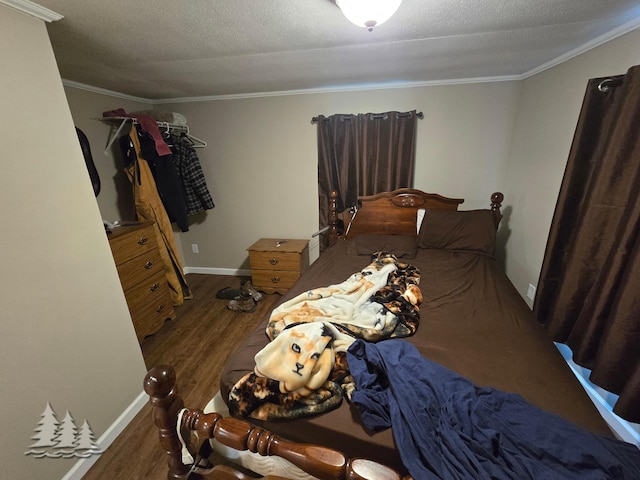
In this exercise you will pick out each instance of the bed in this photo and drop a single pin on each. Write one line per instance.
(472, 322)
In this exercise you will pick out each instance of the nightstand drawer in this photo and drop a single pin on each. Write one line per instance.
(275, 260)
(276, 279)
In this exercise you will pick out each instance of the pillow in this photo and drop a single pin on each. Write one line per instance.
(471, 230)
(419, 216)
(402, 246)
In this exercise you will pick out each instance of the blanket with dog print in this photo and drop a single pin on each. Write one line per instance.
(302, 371)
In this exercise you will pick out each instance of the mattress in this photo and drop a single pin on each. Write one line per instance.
(472, 321)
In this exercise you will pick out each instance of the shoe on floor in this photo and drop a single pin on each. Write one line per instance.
(240, 304)
(247, 288)
(228, 293)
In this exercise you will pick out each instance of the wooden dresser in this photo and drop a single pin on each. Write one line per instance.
(276, 263)
(135, 251)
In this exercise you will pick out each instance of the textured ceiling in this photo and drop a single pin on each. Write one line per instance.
(176, 49)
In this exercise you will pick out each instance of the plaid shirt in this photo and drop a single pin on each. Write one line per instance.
(196, 193)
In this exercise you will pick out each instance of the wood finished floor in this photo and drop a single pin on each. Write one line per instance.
(196, 345)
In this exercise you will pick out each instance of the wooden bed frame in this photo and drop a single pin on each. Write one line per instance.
(393, 212)
(386, 213)
(319, 461)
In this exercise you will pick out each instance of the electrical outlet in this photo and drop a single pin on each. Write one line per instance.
(194, 248)
(531, 292)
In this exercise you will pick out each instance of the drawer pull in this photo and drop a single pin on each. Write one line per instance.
(154, 287)
(143, 241)
(148, 265)
(160, 308)
(273, 261)
(275, 279)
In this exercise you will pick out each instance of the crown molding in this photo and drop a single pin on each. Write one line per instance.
(341, 89)
(283, 93)
(596, 42)
(104, 91)
(33, 9)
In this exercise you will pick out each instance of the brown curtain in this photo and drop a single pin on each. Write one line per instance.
(589, 289)
(364, 154)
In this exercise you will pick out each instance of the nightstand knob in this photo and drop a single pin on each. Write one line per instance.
(275, 279)
(148, 265)
(154, 287)
(273, 261)
(143, 241)
(160, 308)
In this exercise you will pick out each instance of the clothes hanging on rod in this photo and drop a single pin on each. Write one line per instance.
(194, 185)
(149, 207)
(166, 177)
(177, 175)
(179, 178)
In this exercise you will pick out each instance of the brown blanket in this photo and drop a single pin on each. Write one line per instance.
(472, 321)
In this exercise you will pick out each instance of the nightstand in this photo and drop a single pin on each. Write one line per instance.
(277, 263)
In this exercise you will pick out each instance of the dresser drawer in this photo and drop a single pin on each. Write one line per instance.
(274, 279)
(146, 291)
(275, 260)
(149, 316)
(150, 305)
(130, 244)
(139, 268)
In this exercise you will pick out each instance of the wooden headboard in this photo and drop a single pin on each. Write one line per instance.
(392, 213)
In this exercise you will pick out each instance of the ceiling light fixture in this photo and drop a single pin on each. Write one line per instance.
(368, 13)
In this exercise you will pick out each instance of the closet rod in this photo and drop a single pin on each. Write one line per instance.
(165, 125)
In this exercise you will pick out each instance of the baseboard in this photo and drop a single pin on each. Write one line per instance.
(82, 466)
(233, 272)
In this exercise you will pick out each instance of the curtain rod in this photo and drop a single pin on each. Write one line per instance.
(419, 115)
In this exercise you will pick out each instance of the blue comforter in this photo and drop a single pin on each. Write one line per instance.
(445, 427)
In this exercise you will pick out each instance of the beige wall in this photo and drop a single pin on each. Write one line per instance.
(547, 117)
(67, 337)
(261, 159)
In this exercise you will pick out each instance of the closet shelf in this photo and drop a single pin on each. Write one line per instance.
(168, 127)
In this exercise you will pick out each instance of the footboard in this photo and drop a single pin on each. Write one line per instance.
(319, 461)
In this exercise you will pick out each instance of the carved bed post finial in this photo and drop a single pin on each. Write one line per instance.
(160, 385)
(333, 217)
(496, 203)
(496, 200)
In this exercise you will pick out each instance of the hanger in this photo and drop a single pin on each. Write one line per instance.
(197, 143)
(167, 134)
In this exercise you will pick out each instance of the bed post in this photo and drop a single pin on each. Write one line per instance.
(160, 385)
(333, 217)
(496, 203)
(496, 200)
